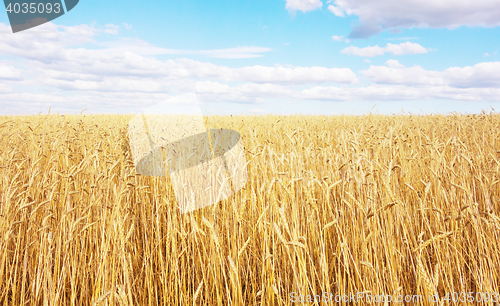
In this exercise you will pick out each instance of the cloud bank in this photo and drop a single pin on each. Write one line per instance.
(63, 68)
(375, 16)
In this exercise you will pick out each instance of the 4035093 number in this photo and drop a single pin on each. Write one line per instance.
(32, 8)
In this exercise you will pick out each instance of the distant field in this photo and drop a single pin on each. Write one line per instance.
(380, 205)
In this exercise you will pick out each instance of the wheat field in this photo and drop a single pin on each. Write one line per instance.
(364, 205)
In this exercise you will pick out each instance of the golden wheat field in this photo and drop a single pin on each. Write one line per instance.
(370, 206)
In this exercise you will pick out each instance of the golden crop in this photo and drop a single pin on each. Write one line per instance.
(377, 204)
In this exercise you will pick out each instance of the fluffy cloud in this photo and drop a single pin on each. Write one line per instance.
(45, 46)
(336, 10)
(9, 72)
(482, 75)
(396, 73)
(303, 5)
(63, 66)
(376, 16)
(365, 52)
(98, 68)
(400, 49)
(295, 75)
(485, 74)
(245, 93)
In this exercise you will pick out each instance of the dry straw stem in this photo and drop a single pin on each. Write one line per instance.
(342, 204)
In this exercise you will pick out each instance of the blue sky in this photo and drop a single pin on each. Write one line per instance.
(257, 56)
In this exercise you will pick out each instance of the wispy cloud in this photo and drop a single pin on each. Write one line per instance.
(303, 5)
(340, 38)
(141, 47)
(111, 29)
(399, 49)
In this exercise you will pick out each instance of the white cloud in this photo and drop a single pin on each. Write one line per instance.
(366, 52)
(239, 52)
(48, 44)
(396, 73)
(376, 16)
(340, 38)
(481, 75)
(127, 101)
(111, 29)
(400, 49)
(378, 92)
(405, 48)
(141, 47)
(486, 74)
(127, 26)
(128, 66)
(4, 88)
(108, 84)
(212, 87)
(245, 93)
(394, 64)
(53, 45)
(9, 72)
(336, 10)
(303, 5)
(295, 75)
(486, 54)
